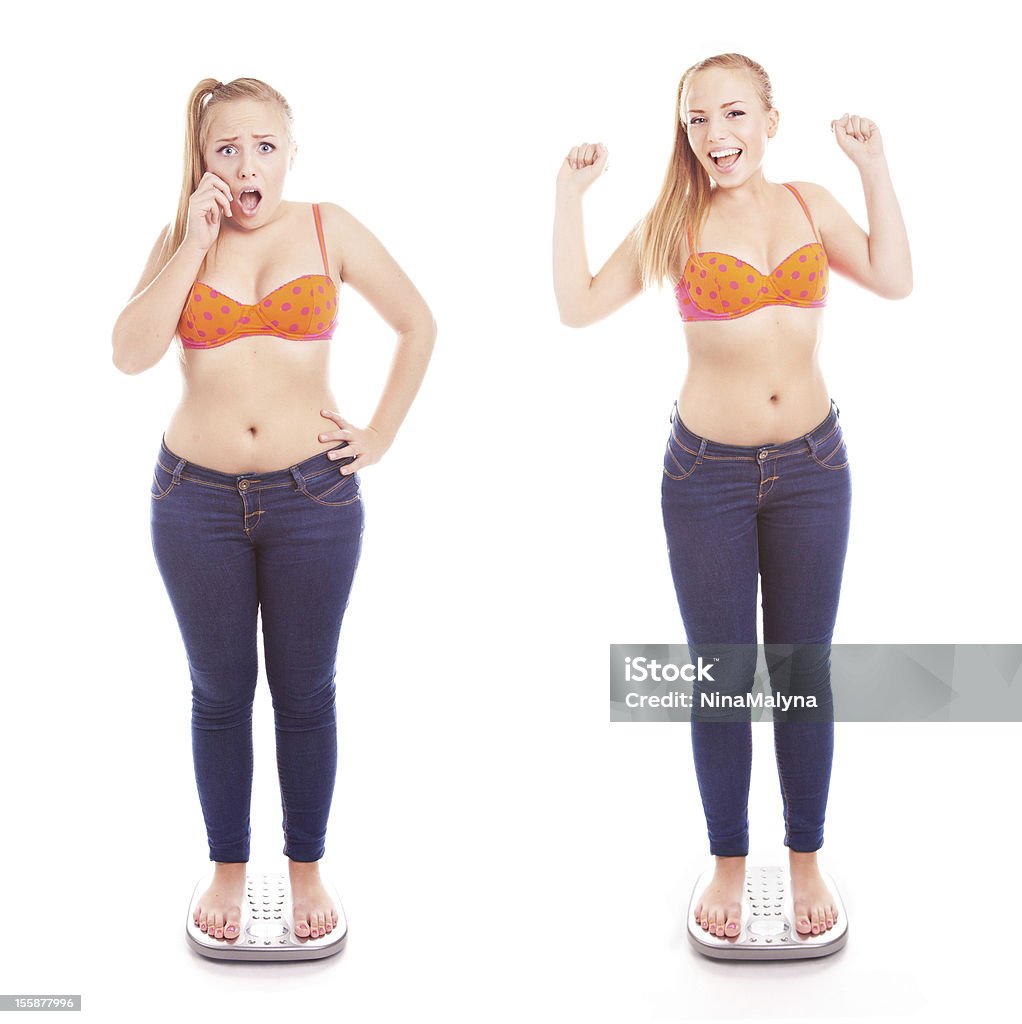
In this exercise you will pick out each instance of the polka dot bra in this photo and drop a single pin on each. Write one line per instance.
(719, 286)
(303, 309)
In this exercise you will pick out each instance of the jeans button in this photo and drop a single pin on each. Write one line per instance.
(762, 455)
(243, 485)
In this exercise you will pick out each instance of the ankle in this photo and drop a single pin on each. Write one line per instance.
(801, 861)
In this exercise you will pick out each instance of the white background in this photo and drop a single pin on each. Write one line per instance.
(502, 851)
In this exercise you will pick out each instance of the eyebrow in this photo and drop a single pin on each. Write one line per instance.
(693, 110)
(236, 137)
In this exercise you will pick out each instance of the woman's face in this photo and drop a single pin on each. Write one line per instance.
(247, 146)
(722, 111)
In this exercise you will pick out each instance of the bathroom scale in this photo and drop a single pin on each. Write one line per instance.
(768, 921)
(267, 923)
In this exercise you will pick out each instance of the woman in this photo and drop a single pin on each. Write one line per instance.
(756, 487)
(256, 503)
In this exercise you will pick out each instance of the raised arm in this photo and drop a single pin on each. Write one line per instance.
(581, 298)
(879, 261)
(145, 328)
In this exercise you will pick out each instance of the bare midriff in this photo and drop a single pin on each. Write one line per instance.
(253, 405)
(755, 379)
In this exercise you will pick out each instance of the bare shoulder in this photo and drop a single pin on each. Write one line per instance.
(339, 223)
(823, 207)
(157, 258)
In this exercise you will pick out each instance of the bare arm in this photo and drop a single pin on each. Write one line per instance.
(144, 330)
(880, 261)
(375, 275)
(581, 298)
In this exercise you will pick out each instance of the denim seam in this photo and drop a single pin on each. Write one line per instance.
(784, 790)
(331, 504)
(824, 465)
(158, 495)
(228, 487)
(681, 468)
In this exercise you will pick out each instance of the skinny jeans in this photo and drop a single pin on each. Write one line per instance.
(740, 518)
(282, 545)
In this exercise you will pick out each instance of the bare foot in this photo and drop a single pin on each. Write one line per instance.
(218, 912)
(814, 907)
(315, 914)
(719, 910)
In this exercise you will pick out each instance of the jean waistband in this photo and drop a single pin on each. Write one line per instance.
(310, 467)
(704, 446)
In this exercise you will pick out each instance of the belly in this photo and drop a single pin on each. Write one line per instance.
(253, 406)
(755, 380)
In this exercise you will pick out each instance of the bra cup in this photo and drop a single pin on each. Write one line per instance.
(304, 307)
(300, 308)
(721, 286)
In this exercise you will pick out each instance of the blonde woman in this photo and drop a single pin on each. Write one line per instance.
(756, 487)
(256, 503)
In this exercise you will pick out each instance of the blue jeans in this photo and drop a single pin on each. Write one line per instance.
(285, 544)
(776, 513)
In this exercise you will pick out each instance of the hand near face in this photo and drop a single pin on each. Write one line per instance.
(210, 201)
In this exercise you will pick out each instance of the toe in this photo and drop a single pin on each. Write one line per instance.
(816, 920)
(203, 923)
(734, 919)
(802, 923)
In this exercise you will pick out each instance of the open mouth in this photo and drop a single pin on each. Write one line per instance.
(725, 157)
(249, 200)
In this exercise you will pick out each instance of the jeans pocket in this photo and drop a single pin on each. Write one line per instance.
(332, 488)
(163, 482)
(831, 452)
(680, 461)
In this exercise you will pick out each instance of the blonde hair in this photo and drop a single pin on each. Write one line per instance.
(684, 199)
(205, 97)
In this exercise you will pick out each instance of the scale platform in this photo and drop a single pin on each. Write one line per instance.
(768, 921)
(267, 924)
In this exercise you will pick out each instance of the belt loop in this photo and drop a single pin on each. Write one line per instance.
(178, 469)
(299, 479)
(702, 448)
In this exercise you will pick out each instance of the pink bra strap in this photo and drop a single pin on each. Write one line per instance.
(319, 235)
(805, 209)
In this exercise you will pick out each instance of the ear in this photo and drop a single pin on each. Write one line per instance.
(294, 150)
(773, 118)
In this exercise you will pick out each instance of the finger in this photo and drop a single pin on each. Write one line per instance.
(335, 416)
(228, 199)
(337, 435)
(355, 467)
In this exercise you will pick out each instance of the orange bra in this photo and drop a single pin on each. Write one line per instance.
(719, 286)
(302, 309)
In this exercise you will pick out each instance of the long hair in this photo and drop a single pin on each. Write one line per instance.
(205, 97)
(684, 199)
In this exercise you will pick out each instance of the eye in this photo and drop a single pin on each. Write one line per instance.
(223, 148)
(739, 112)
(272, 147)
